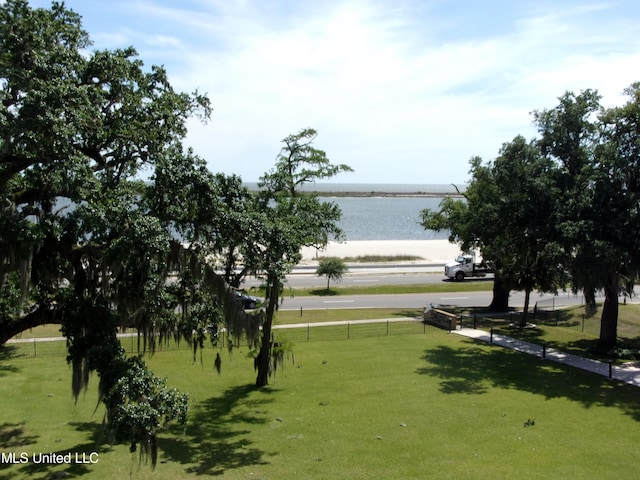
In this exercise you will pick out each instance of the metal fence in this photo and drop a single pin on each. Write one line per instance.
(349, 330)
(583, 323)
(132, 343)
(50, 347)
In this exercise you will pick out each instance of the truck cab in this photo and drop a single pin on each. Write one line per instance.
(465, 266)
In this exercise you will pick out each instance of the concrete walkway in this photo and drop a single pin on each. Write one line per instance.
(630, 374)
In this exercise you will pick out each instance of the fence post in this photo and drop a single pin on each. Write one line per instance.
(387, 327)
(610, 369)
(308, 331)
(491, 338)
(348, 330)
(35, 348)
(544, 350)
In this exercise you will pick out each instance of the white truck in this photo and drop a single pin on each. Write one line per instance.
(466, 266)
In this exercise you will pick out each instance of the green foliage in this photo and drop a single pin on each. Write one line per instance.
(332, 267)
(138, 404)
(83, 242)
(285, 221)
(137, 401)
(299, 162)
(598, 213)
(564, 206)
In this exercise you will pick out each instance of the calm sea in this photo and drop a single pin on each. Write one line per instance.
(381, 215)
(386, 218)
(383, 211)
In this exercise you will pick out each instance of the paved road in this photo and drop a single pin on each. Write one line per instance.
(419, 300)
(305, 277)
(399, 274)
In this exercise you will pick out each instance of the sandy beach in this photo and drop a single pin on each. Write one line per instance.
(430, 251)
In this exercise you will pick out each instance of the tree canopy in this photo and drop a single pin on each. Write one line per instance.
(561, 208)
(83, 241)
(286, 221)
(331, 267)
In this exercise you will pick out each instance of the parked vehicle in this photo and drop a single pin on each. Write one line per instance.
(248, 301)
(466, 266)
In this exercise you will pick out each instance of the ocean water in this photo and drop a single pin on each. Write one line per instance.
(386, 218)
(383, 211)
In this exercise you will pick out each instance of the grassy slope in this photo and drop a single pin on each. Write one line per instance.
(399, 407)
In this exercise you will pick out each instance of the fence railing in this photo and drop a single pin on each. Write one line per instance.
(583, 323)
(57, 347)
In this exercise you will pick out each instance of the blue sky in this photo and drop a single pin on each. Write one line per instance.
(404, 91)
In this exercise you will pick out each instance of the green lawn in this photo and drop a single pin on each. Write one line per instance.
(336, 289)
(408, 406)
(333, 315)
(569, 329)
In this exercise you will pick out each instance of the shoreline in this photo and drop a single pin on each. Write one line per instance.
(430, 251)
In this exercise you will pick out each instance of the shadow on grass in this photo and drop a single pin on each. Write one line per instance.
(7, 352)
(214, 440)
(408, 313)
(39, 468)
(323, 292)
(14, 435)
(80, 460)
(473, 369)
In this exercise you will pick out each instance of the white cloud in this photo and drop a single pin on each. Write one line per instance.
(403, 91)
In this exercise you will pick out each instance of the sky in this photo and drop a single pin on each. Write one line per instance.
(403, 91)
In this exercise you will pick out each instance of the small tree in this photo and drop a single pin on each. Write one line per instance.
(286, 221)
(333, 268)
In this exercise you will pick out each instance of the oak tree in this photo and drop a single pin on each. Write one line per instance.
(81, 242)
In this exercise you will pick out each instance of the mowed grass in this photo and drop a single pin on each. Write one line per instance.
(284, 317)
(336, 289)
(569, 329)
(411, 406)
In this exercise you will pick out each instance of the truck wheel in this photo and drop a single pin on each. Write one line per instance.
(459, 276)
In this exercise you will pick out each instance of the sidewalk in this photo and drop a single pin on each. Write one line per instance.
(630, 375)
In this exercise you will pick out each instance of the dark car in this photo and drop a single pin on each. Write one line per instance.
(247, 300)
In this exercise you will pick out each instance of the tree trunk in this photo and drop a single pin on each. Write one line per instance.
(500, 301)
(590, 299)
(609, 319)
(525, 309)
(263, 360)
